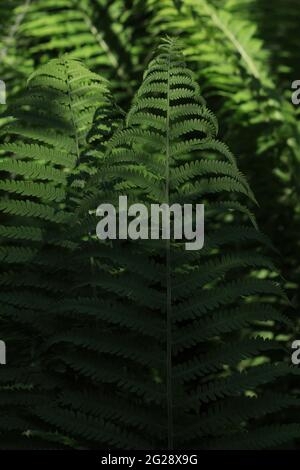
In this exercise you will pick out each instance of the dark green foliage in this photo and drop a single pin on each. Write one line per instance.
(142, 344)
(133, 344)
(44, 165)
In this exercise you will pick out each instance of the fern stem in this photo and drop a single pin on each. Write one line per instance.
(69, 91)
(232, 38)
(169, 350)
(110, 54)
(168, 282)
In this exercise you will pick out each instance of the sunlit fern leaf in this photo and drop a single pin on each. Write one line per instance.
(245, 58)
(100, 32)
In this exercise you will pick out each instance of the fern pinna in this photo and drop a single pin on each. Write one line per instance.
(142, 344)
(44, 165)
(247, 81)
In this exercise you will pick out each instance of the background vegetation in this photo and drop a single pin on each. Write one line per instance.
(76, 316)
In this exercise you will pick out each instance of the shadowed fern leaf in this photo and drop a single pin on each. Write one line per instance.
(157, 346)
(138, 344)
